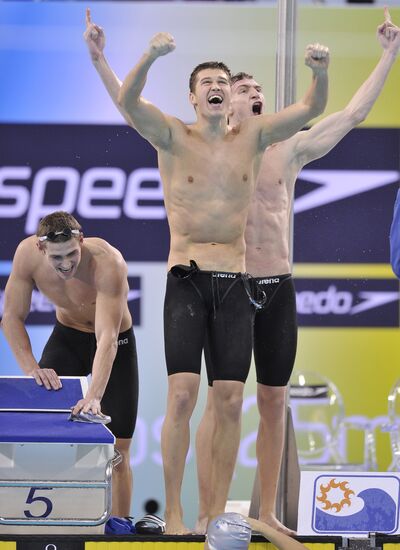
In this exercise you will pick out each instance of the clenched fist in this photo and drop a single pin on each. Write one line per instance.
(161, 44)
(317, 57)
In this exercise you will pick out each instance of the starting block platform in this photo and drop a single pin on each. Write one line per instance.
(55, 475)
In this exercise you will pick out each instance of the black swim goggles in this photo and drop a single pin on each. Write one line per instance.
(66, 232)
(257, 297)
(181, 271)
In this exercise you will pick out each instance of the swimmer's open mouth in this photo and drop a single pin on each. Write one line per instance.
(215, 99)
(257, 108)
(65, 270)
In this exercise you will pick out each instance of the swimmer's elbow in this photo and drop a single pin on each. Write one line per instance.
(9, 319)
(6, 322)
(127, 105)
(108, 340)
(317, 109)
(113, 348)
(312, 110)
(355, 116)
(124, 100)
(121, 99)
(358, 117)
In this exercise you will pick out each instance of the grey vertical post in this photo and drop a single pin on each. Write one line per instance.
(285, 94)
(287, 501)
(289, 482)
(285, 87)
(285, 83)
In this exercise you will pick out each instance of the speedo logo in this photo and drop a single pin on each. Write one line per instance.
(339, 302)
(270, 281)
(348, 303)
(24, 192)
(335, 185)
(324, 302)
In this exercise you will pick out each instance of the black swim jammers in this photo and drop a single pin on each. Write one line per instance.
(212, 305)
(275, 331)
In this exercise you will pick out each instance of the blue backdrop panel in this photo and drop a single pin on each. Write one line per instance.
(105, 175)
(349, 222)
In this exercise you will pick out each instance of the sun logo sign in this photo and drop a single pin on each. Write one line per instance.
(335, 496)
(355, 503)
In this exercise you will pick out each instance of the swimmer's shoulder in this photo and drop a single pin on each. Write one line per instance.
(102, 251)
(27, 253)
(108, 268)
(28, 248)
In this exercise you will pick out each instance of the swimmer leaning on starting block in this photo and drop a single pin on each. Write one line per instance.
(86, 279)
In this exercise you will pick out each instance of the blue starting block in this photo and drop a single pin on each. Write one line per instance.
(55, 475)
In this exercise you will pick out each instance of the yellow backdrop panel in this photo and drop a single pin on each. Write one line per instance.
(350, 35)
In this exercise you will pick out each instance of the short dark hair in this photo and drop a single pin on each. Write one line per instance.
(208, 65)
(57, 221)
(241, 76)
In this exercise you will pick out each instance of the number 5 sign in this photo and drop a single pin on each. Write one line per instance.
(48, 505)
(63, 503)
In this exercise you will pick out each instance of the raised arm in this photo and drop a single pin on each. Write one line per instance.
(324, 135)
(112, 292)
(96, 40)
(148, 120)
(287, 122)
(395, 238)
(18, 294)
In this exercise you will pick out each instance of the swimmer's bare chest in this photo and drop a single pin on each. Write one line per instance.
(75, 300)
(200, 172)
(273, 197)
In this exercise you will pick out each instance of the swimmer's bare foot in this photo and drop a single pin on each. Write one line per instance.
(201, 526)
(272, 521)
(175, 526)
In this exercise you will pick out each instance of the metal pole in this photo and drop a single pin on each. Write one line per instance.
(285, 87)
(285, 94)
